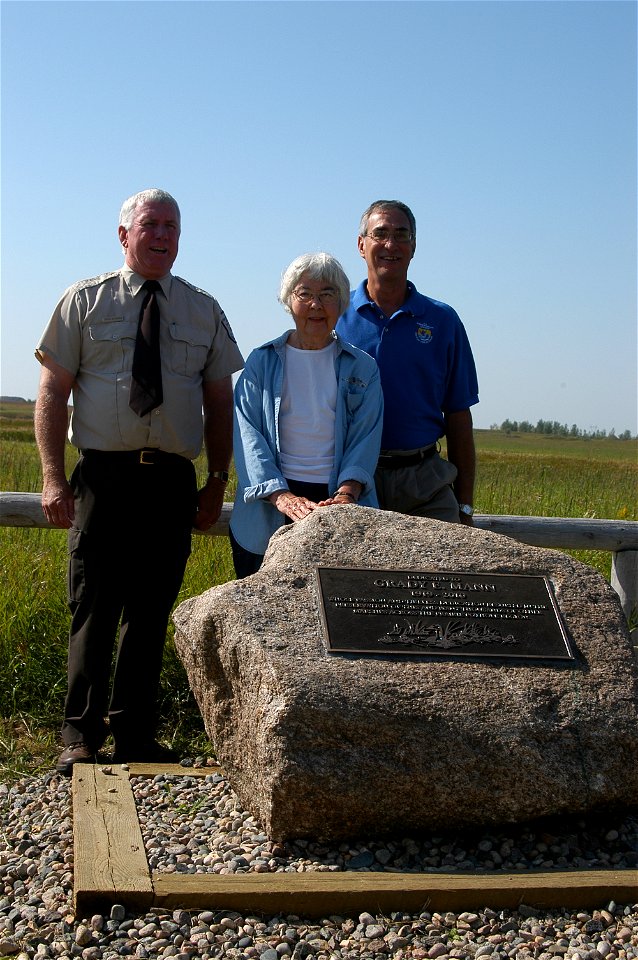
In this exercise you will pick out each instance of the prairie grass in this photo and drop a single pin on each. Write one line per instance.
(528, 475)
(538, 444)
(536, 485)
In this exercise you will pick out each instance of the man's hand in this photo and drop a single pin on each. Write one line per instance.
(218, 440)
(460, 452)
(210, 500)
(50, 421)
(58, 503)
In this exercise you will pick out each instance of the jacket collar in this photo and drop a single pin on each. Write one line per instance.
(279, 343)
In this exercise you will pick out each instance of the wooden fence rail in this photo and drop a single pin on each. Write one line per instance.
(619, 537)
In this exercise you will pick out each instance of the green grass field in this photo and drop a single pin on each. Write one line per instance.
(528, 475)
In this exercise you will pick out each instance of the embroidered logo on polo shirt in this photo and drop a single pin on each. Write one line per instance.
(423, 333)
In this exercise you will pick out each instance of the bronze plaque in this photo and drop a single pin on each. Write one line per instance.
(405, 613)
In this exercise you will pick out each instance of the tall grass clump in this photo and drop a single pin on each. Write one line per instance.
(531, 485)
(34, 617)
(33, 628)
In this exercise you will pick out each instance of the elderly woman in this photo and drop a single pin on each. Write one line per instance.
(308, 416)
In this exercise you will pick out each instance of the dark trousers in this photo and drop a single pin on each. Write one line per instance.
(128, 550)
(247, 563)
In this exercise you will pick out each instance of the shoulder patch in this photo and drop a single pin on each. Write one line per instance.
(226, 325)
(192, 286)
(95, 281)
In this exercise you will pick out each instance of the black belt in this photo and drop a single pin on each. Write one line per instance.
(398, 460)
(148, 456)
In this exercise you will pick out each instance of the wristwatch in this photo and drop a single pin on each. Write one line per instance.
(467, 509)
(219, 475)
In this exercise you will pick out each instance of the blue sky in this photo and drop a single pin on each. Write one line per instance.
(508, 127)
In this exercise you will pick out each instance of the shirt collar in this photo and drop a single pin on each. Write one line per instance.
(360, 298)
(135, 282)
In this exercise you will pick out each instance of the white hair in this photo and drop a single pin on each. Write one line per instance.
(317, 266)
(154, 195)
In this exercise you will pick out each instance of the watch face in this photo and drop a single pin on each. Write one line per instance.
(466, 509)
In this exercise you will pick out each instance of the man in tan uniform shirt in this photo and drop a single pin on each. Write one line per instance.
(132, 499)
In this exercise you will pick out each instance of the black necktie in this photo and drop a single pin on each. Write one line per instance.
(146, 385)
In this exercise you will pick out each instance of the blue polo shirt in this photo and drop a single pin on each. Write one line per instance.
(425, 360)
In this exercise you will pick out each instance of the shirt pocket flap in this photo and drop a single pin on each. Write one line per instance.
(113, 328)
(193, 336)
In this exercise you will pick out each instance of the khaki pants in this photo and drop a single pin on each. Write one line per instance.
(422, 490)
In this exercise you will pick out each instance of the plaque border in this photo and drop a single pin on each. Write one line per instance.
(568, 657)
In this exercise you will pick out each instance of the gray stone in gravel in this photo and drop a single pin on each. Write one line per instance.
(9, 947)
(301, 950)
(437, 950)
(363, 859)
(82, 935)
(312, 741)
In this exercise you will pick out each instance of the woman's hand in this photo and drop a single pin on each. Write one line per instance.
(349, 492)
(296, 508)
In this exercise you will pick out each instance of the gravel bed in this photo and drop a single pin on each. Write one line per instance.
(200, 818)
(197, 825)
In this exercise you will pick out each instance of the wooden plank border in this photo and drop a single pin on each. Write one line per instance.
(110, 864)
(348, 892)
(111, 867)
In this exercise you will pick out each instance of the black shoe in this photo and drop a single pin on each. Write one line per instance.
(76, 752)
(149, 752)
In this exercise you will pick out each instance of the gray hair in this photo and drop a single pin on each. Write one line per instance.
(154, 195)
(386, 205)
(318, 266)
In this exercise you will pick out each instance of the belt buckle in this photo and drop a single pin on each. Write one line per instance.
(147, 453)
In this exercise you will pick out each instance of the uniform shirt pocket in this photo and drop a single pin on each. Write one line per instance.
(189, 347)
(111, 344)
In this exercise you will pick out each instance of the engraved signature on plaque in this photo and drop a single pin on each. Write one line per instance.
(461, 614)
(444, 636)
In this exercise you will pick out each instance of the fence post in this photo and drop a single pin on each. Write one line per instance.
(624, 580)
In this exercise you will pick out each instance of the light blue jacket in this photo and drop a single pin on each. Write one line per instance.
(358, 425)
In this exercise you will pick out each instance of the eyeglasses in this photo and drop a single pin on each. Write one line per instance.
(381, 235)
(307, 296)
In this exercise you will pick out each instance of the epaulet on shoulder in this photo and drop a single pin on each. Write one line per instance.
(95, 281)
(192, 286)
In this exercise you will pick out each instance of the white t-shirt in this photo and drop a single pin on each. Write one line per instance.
(307, 414)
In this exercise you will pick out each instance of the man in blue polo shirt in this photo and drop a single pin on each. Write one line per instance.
(427, 374)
